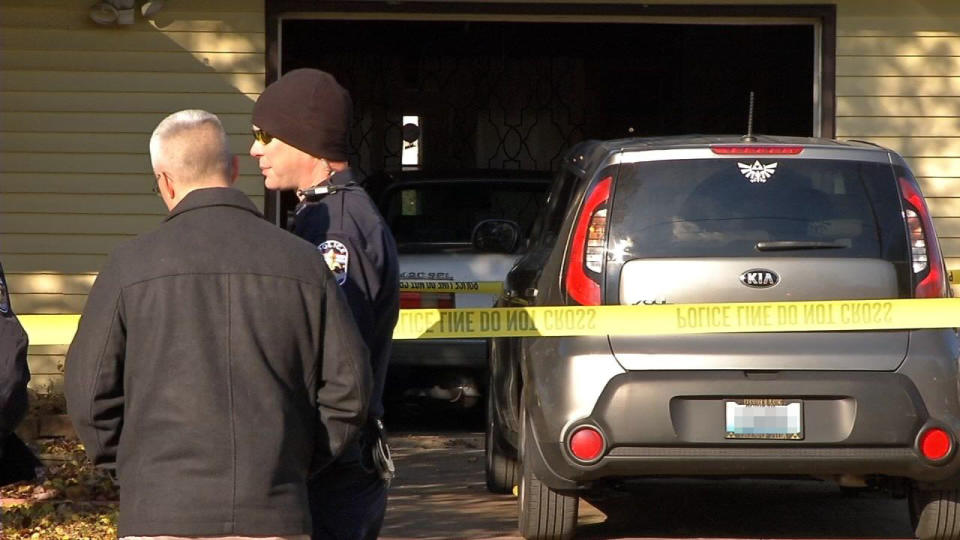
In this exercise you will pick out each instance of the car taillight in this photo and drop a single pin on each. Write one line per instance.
(415, 300)
(935, 444)
(585, 258)
(587, 443)
(924, 249)
(757, 150)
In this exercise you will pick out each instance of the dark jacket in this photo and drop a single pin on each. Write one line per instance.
(14, 374)
(215, 359)
(347, 219)
(17, 462)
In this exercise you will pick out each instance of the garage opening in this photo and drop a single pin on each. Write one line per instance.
(516, 95)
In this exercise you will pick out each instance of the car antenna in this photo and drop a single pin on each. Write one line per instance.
(749, 136)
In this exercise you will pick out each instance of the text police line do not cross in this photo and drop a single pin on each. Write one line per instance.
(820, 316)
(662, 319)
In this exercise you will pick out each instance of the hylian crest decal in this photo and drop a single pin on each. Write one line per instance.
(758, 172)
(337, 257)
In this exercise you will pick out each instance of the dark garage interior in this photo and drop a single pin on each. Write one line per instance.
(506, 95)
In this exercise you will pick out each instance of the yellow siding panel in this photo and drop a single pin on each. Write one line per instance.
(104, 122)
(947, 227)
(168, 20)
(914, 66)
(48, 304)
(944, 206)
(96, 204)
(108, 163)
(134, 62)
(936, 167)
(121, 143)
(100, 81)
(43, 364)
(909, 145)
(50, 283)
(66, 264)
(940, 187)
(75, 224)
(898, 106)
(83, 244)
(896, 86)
(114, 39)
(865, 128)
(54, 203)
(131, 102)
(252, 6)
(138, 182)
(946, 23)
(899, 46)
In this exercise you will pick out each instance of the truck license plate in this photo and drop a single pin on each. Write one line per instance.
(764, 419)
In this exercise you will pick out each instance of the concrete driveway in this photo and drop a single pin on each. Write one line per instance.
(440, 493)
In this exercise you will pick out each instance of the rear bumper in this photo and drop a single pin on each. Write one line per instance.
(456, 353)
(673, 423)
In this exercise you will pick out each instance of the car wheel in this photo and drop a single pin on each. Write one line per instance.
(935, 514)
(502, 469)
(544, 513)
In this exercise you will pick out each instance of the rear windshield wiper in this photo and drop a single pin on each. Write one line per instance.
(786, 245)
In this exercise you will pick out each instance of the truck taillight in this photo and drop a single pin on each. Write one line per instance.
(587, 247)
(928, 269)
(415, 300)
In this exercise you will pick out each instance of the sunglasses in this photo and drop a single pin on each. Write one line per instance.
(262, 136)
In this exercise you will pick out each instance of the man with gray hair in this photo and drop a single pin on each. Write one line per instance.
(216, 362)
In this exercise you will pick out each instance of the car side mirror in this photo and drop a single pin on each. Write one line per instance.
(496, 235)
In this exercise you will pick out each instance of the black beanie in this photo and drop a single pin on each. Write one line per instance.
(307, 109)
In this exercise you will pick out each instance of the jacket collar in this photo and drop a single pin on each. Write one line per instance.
(216, 196)
(343, 177)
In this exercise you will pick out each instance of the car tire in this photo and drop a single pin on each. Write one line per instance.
(502, 468)
(935, 514)
(544, 513)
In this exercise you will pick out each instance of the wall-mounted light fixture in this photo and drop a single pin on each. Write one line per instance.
(122, 11)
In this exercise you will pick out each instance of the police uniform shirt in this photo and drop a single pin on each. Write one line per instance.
(349, 231)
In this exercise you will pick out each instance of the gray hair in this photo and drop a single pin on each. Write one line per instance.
(194, 143)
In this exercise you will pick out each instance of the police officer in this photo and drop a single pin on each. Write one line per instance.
(300, 127)
(17, 462)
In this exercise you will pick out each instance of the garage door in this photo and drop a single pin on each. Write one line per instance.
(514, 93)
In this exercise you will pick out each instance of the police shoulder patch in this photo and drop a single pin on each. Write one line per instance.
(337, 257)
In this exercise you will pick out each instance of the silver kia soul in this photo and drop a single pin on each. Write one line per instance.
(719, 219)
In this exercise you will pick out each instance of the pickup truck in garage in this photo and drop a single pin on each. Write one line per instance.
(450, 229)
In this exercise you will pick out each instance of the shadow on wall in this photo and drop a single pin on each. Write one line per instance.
(80, 102)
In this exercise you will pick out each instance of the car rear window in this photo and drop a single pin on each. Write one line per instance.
(447, 213)
(743, 208)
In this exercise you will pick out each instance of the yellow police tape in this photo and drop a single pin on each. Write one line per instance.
(628, 320)
(458, 287)
(679, 319)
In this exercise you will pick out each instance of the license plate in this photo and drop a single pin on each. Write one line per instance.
(764, 419)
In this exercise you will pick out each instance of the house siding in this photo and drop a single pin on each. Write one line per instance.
(898, 84)
(78, 103)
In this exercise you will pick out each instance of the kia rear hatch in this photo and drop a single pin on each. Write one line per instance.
(758, 228)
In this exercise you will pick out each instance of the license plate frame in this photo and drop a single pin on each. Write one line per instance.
(779, 419)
